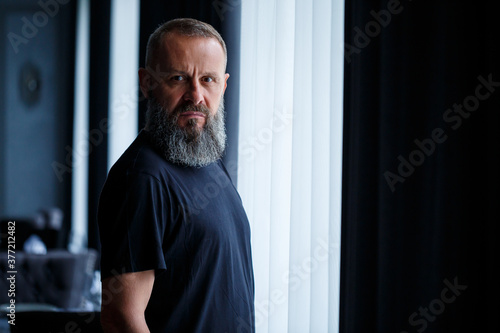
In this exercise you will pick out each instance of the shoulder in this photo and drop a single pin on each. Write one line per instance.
(139, 158)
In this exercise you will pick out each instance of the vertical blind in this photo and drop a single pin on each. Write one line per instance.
(290, 151)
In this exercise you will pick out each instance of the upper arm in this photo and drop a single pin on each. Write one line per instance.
(132, 219)
(124, 300)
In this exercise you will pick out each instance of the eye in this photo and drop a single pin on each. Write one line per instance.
(177, 78)
(208, 79)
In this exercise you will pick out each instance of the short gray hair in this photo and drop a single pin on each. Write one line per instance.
(183, 26)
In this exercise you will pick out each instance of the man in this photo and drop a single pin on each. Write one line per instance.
(175, 238)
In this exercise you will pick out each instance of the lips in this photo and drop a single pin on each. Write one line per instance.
(193, 111)
(192, 114)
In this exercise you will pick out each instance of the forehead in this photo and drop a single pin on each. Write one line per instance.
(179, 50)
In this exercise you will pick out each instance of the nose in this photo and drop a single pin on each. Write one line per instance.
(194, 93)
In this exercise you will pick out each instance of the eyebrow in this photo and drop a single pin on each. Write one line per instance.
(176, 71)
(212, 74)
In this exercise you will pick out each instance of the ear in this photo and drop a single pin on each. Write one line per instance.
(145, 82)
(226, 76)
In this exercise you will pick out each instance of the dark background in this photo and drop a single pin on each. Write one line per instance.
(399, 245)
(36, 108)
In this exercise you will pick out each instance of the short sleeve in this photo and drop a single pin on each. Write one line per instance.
(131, 221)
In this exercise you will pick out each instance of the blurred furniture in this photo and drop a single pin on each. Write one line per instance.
(58, 278)
(55, 290)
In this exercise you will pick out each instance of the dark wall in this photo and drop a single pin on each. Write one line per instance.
(36, 107)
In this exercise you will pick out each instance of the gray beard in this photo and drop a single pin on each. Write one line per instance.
(187, 146)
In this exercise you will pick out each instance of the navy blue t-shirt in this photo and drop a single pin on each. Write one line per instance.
(189, 225)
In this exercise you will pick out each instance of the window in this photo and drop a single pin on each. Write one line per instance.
(290, 149)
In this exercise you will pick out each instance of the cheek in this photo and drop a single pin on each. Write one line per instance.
(214, 101)
(170, 99)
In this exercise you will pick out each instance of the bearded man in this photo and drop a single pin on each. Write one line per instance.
(175, 239)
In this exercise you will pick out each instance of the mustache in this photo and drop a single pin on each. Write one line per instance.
(191, 107)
